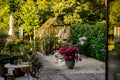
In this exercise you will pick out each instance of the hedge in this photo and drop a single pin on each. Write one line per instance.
(96, 38)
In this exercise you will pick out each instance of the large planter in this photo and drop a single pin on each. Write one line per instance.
(70, 63)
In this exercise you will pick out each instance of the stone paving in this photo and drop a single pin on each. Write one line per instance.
(87, 69)
(113, 66)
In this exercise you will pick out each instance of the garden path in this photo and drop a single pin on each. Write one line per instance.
(114, 66)
(87, 69)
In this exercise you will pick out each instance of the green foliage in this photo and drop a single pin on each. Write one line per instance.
(117, 46)
(45, 10)
(4, 59)
(33, 13)
(4, 15)
(17, 45)
(29, 16)
(48, 40)
(3, 34)
(79, 11)
(38, 45)
(95, 33)
(115, 12)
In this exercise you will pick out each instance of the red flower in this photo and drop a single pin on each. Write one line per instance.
(68, 57)
(78, 58)
(71, 49)
(67, 50)
(62, 50)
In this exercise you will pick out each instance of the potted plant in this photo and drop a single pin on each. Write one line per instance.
(70, 54)
(18, 49)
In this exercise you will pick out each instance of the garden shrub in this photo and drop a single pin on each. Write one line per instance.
(95, 44)
(3, 36)
(38, 45)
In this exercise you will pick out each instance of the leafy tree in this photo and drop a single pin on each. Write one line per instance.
(30, 17)
(44, 9)
(80, 11)
(115, 12)
(30, 13)
(4, 15)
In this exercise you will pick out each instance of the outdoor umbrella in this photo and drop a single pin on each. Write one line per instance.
(11, 31)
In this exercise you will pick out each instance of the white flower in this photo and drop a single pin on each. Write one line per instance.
(82, 38)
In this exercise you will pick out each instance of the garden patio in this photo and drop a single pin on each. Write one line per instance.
(29, 38)
(19, 49)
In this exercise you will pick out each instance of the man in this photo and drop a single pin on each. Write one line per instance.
(64, 35)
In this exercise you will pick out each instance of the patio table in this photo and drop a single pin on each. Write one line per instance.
(1, 78)
(12, 67)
